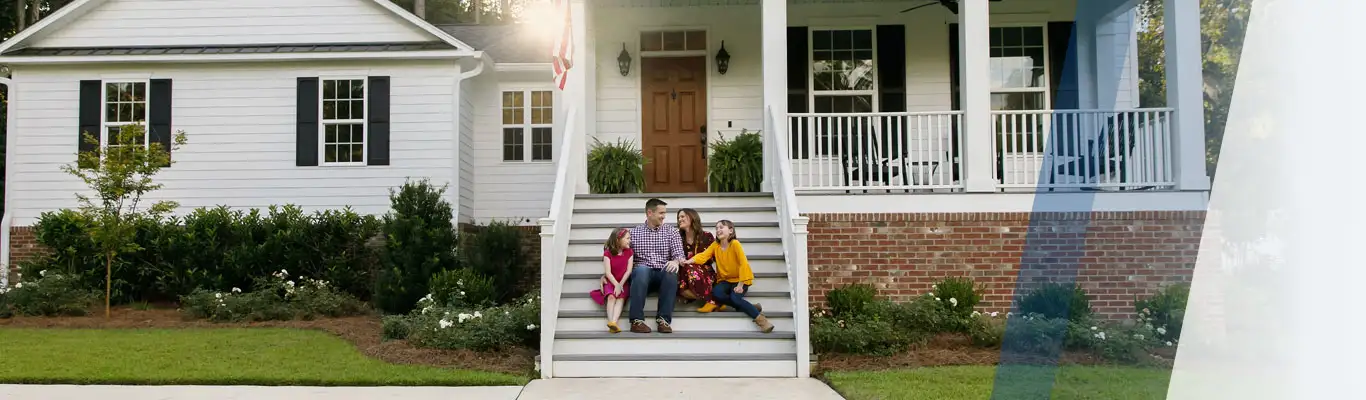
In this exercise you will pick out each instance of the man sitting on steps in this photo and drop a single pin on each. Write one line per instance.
(658, 251)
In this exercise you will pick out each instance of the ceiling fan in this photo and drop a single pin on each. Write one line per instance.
(952, 5)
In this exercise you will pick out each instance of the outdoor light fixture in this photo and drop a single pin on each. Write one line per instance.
(722, 59)
(624, 61)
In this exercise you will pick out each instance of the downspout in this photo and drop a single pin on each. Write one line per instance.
(460, 77)
(7, 220)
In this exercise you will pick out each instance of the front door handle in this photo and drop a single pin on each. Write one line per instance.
(704, 141)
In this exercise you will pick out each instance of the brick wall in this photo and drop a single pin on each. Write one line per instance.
(1119, 254)
(23, 246)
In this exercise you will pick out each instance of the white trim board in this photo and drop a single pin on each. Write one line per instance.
(1101, 201)
(245, 57)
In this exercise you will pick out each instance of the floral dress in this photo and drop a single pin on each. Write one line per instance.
(695, 281)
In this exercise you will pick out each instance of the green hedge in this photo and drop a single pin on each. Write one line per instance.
(217, 249)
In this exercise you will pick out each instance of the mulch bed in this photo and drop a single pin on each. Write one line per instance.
(949, 349)
(364, 332)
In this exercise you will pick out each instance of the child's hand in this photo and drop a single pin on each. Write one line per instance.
(739, 289)
(617, 292)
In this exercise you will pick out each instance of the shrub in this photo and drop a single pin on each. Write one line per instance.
(616, 168)
(1057, 300)
(495, 251)
(278, 297)
(52, 294)
(1164, 311)
(987, 331)
(483, 329)
(396, 327)
(959, 295)
(858, 335)
(737, 165)
(1112, 341)
(420, 241)
(462, 288)
(850, 300)
(1034, 334)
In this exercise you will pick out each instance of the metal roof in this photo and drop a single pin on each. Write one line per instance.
(227, 49)
(508, 43)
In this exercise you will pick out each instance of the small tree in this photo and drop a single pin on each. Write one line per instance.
(120, 174)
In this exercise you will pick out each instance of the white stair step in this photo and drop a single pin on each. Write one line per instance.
(772, 302)
(709, 216)
(593, 265)
(680, 323)
(768, 282)
(675, 200)
(599, 232)
(753, 247)
(678, 357)
(674, 369)
(678, 342)
(677, 314)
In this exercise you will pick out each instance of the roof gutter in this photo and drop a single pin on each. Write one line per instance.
(7, 220)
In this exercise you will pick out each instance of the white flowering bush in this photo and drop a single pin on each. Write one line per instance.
(959, 295)
(1164, 311)
(278, 297)
(462, 288)
(52, 294)
(511, 325)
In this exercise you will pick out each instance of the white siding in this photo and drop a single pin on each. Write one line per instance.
(223, 22)
(467, 134)
(516, 192)
(240, 122)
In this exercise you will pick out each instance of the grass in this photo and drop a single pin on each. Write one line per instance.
(228, 356)
(975, 383)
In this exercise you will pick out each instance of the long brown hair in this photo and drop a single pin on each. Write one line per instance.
(695, 223)
(613, 244)
(733, 234)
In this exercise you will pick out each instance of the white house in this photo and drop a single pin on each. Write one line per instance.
(920, 114)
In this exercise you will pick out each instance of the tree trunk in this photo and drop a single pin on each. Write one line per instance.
(108, 281)
(34, 12)
(420, 8)
(20, 17)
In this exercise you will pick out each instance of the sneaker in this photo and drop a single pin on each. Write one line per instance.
(663, 326)
(638, 326)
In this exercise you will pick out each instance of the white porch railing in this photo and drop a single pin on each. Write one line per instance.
(792, 226)
(555, 237)
(875, 151)
(1121, 149)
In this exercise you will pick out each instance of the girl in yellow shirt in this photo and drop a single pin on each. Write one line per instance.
(733, 275)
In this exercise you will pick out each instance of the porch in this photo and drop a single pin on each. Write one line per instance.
(999, 96)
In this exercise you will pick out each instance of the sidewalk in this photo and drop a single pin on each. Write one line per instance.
(689, 388)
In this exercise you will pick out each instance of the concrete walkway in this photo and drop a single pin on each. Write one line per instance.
(553, 389)
(668, 389)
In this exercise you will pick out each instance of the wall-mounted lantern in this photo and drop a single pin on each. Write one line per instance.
(722, 59)
(624, 61)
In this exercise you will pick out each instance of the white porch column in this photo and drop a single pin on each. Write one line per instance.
(774, 58)
(579, 90)
(1185, 93)
(1089, 77)
(974, 28)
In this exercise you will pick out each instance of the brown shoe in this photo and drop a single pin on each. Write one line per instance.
(663, 326)
(764, 325)
(638, 326)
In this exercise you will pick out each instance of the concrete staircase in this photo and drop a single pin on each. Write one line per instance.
(722, 344)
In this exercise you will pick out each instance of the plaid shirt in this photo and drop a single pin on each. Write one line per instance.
(655, 247)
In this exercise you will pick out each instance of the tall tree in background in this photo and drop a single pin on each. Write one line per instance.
(1223, 24)
(465, 11)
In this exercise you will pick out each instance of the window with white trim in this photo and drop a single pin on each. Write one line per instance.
(528, 123)
(343, 121)
(842, 71)
(1019, 81)
(125, 103)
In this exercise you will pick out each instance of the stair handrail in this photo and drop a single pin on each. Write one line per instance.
(555, 235)
(792, 226)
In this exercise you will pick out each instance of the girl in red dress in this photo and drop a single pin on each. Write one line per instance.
(616, 265)
(695, 281)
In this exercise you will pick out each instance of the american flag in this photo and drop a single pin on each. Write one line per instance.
(561, 55)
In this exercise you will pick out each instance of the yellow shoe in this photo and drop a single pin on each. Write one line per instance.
(721, 308)
(613, 328)
(706, 308)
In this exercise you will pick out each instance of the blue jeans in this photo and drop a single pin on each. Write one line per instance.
(645, 280)
(724, 293)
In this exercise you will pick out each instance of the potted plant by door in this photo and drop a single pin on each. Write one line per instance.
(615, 167)
(737, 165)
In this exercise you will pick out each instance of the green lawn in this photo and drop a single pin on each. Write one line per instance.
(229, 356)
(975, 383)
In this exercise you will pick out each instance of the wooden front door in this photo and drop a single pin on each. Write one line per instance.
(674, 120)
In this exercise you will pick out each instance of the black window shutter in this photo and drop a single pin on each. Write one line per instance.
(956, 100)
(798, 65)
(306, 127)
(377, 128)
(89, 120)
(891, 68)
(159, 123)
(1062, 57)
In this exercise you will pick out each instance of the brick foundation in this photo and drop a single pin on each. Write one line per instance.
(23, 242)
(1123, 254)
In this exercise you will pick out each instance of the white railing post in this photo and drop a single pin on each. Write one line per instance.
(801, 298)
(549, 262)
(792, 227)
(555, 237)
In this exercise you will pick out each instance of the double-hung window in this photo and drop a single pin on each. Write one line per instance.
(343, 121)
(1019, 82)
(842, 81)
(528, 123)
(125, 103)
